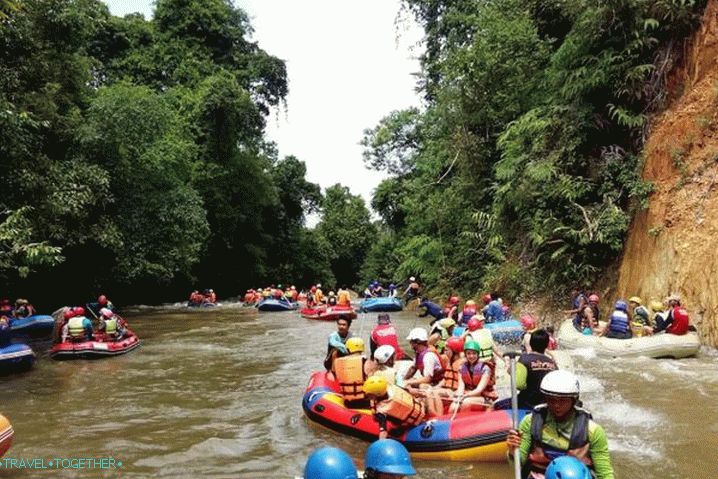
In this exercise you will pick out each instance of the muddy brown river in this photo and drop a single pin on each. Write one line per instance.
(216, 393)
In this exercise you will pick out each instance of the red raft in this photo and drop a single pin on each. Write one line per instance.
(473, 436)
(97, 348)
(329, 313)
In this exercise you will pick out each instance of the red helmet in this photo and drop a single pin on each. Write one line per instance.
(486, 298)
(456, 344)
(78, 311)
(680, 313)
(102, 299)
(475, 323)
(528, 321)
(505, 309)
(593, 298)
(70, 313)
(314, 289)
(454, 300)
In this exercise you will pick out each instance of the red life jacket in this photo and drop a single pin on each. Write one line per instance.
(385, 334)
(680, 323)
(472, 377)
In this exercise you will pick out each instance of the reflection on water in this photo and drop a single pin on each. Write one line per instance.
(217, 393)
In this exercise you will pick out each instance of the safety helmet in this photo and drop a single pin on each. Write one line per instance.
(418, 334)
(635, 299)
(375, 385)
(567, 467)
(475, 323)
(560, 383)
(313, 289)
(593, 298)
(621, 306)
(528, 322)
(657, 306)
(383, 318)
(471, 302)
(455, 344)
(486, 298)
(355, 345)
(102, 299)
(292, 288)
(446, 323)
(330, 463)
(392, 286)
(279, 286)
(69, 313)
(472, 345)
(331, 293)
(454, 300)
(319, 285)
(78, 310)
(390, 457)
(674, 297)
(384, 353)
(106, 313)
(412, 278)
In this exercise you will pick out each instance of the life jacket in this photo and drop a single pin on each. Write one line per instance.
(401, 405)
(349, 371)
(249, 298)
(468, 313)
(212, 297)
(443, 337)
(318, 296)
(542, 453)
(76, 328)
(471, 375)
(486, 343)
(277, 293)
(619, 322)
(344, 299)
(266, 293)
(680, 323)
(451, 375)
(111, 326)
(438, 374)
(385, 334)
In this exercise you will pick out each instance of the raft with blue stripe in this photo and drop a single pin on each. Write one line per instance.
(35, 325)
(16, 357)
(381, 305)
(507, 331)
(271, 304)
(472, 436)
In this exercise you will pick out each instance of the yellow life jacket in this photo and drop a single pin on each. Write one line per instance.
(75, 327)
(344, 299)
(111, 326)
(349, 371)
(403, 406)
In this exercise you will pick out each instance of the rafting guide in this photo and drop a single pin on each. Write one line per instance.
(60, 463)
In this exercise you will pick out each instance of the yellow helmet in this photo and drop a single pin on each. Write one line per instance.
(355, 345)
(375, 385)
(446, 323)
(635, 299)
(471, 302)
(657, 306)
(331, 293)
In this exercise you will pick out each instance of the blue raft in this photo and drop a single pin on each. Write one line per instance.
(271, 304)
(508, 331)
(35, 325)
(381, 305)
(16, 357)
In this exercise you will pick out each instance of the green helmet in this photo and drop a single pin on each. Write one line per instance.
(472, 345)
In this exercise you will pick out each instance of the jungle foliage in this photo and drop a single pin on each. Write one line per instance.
(523, 170)
(134, 158)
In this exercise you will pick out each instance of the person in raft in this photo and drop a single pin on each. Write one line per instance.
(78, 327)
(531, 368)
(23, 308)
(385, 333)
(336, 345)
(676, 322)
(448, 386)
(111, 325)
(477, 377)
(344, 299)
(383, 364)
(350, 371)
(102, 302)
(560, 428)
(619, 323)
(430, 365)
(391, 403)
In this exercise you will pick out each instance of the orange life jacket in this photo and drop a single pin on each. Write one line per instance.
(472, 377)
(349, 371)
(451, 375)
(401, 405)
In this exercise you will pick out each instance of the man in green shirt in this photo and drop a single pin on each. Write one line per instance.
(559, 428)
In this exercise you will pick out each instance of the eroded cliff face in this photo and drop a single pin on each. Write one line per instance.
(673, 245)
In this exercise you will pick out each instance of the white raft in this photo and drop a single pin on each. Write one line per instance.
(660, 345)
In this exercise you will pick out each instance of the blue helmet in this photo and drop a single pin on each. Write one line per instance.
(330, 463)
(567, 467)
(621, 305)
(392, 286)
(389, 456)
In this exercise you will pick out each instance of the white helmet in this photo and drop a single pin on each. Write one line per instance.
(383, 353)
(412, 279)
(319, 285)
(418, 334)
(560, 383)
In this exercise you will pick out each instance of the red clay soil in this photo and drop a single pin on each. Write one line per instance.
(672, 247)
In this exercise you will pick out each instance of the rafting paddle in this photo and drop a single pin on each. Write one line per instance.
(514, 410)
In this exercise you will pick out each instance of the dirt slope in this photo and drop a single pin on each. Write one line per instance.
(673, 246)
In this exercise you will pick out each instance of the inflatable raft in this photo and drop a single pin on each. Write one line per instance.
(16, 357)
(660, 345)
(474, 436)
(506, 332)
(381, 305)
(97, 348)
(35, 325)
(201, 305)
(6, 435)
(330, 313)
(271, 304)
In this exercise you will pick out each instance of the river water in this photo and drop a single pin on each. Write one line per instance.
(216, 393)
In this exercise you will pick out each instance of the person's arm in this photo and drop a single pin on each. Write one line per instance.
(520, 439)
(521, 376)
(598, 448)
(410, 373)
(434, 338)
(336, 342)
